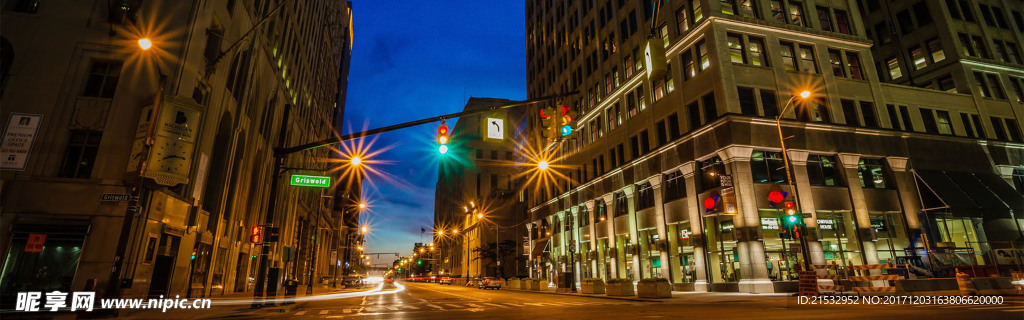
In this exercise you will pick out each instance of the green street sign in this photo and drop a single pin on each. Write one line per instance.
(311, 181)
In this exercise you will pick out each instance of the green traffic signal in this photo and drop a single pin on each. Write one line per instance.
(419, 262)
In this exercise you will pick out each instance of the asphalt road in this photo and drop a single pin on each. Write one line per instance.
(433, 301)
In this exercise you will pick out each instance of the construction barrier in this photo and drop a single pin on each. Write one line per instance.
(808, 283)
(963, 281)
(835, 287)
(883, 277)
(1017, 278)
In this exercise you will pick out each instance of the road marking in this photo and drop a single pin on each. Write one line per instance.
(434, 306)
(323, 312)
(453, 306)
(347, 310)
(496, 305)
(412, 307)
(300, 313)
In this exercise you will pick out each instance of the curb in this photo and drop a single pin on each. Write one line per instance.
(584, 295)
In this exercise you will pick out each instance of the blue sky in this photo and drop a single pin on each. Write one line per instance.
(418, 59)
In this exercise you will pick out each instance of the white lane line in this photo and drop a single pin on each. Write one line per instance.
(323, 312)
(412, 307)
(495, 305)
(452, 306)
(301, 313)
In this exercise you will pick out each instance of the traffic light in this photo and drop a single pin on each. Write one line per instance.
(790, 208)
(442, 138)
(256, 234)
(419, 262)
(547, 117)
(566, 115)
(273, 233)
(195, 251)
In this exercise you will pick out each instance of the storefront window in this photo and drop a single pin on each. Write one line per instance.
(872, 174)
(681, 260)
(709, 171)
(892, 239)
(624, 256)
(838, 237)
(603, 261)
(675, 185)
(723, 259)
(780, 254)
(49, 270)
(650, 257)
(959, 245)
(621, 204)
(644, 196)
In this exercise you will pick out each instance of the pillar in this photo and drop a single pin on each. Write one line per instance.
(865, 235)
(697, 237)
(634, 236)
(659, 217)
(609, 202)
(747, 222)
(798, 162)
(593, 236)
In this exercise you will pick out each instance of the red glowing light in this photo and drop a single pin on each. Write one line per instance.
(775, 197)
(709, 203)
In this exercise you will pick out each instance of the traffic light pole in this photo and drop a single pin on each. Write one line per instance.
(280, 153)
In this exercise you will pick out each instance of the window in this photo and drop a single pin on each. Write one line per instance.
(80, 154)
(945, 126)
(777, 11)
(930, 125)
(1017, 84)
(640, 100)
(689, 70)
(834, 57)
(893, 117)
(906, 25)
(986, 15)
(621, 204)
(853, 62)
(821, 171)
(971, 132)
(698, 13)
(954, 12)
(825, 19)
(610, 115)
(494, 154)
(102, 80)
(1019, 19)
(883, 33)
(867, 110)
(693, 116)
(736, 52)
(767, 166)
(682, 23)
(796, 13)
(917, 55)
(965, 9)
(995, 87)
(924, 17)
(946, 84)
(756, 47)
(894, 68)
(935, 50)
(748, 8)
(673, 126)
(634, 147)
(708, 172)
(979, 45)
(905, 115)
(644, 196)
(662, 133)
(843, 22)
(631, 110)
(675, 185)
(702, 52)
(1000, 50)
(645, 142)
(494, 182)
(769, 103)
(997, 126)
(710, 111)
(1014, 129)
(807, 63)
(788, 56)
(1012, 53)
(748, 104)
(850, 112)
(872, 174)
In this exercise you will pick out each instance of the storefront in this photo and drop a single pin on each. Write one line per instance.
(681, 259)
(42, 257)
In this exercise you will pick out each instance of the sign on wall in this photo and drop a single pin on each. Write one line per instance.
(495, 128)
(17, 141)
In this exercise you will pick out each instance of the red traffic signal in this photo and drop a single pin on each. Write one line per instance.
(256, 234)
(442, 134)
(790, 208)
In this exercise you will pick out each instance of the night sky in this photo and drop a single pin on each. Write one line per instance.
(418, 59)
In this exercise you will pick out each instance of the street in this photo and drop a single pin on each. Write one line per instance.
(433, 301)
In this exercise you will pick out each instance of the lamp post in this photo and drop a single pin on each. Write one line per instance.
(789, 175)
(114, 281)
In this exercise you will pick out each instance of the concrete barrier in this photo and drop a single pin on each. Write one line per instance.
(994, 286)
(928, 287)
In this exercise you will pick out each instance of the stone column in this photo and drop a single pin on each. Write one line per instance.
(609, 202)
(634, 236)
(530, 261)
(908, 193)
(747, 223)
(865, 235)
(798, 162)
(697, 237)
(593, 235)
(659, 218)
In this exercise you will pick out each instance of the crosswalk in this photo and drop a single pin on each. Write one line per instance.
(432, 307)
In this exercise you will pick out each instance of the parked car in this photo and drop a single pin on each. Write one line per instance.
(353, 282)
(489, 283)
(445, 280)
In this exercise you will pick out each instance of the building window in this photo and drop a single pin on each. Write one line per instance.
(905, 115)
(689, 70)
(675, 185)
(997, 126)
(788, 56)
(967, 125)
(682, 23)
(80, 154)
(917, 55)
(1014, 129)
(825, 19)
(995, 87)
(872, 174)
(843, 22)
(821, 171)
(673, 126)
(710, 110)
(853, 62)
(757, 54)
(867, 110)
(693, 115)
(662, 133)
(736, 52)
(102, 81)
(748, 104)
(644, 196)
(1017, 84)
(702, 53)
(935, 50)
(621, 204)
(769, 103)
(850, 112)
(945, 125)
(698, 12)
(835, 59)
(894, 68)
(930, 125)
(777, 11)
(767, 166)
(903, 19)
(796, 13)
(807, 63)
(709, 170)
(631, 109)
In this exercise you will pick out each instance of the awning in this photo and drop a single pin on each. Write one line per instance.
(969, 194)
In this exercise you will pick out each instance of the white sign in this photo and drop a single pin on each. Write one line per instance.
(826, 224)
(21, 131)
(495, 128)
(769, 224)
(174, 135)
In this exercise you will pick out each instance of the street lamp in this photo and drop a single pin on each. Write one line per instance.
(363, 230)
(145, 43)
(362, 205)
(355, 161)
(789, 176)
(543, 165)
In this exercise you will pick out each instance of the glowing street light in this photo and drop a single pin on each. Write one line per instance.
(145, 43)
(479, 215)
(356, 161)
(363, 230)
(456, 231)
(362, 206)
(805, 94)
(543, 165)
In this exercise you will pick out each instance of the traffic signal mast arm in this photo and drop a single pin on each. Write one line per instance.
(281, 152)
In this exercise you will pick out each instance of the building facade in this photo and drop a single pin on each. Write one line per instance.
(673, 160)
(228, 73)
(477, 206)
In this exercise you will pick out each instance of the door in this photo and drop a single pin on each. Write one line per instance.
(161, 281)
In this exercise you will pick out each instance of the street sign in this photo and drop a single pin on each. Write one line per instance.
(35, 242)
(311, 181)
(120, 197)
(495, 128)
(17, 140)
(572, 247)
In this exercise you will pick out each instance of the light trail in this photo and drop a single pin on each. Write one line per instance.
(379, 290)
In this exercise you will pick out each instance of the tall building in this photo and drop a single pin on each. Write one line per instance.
(225, 76)
(477, 207)
(908, 147)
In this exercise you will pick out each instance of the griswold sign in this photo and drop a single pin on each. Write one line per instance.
(311, 181)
